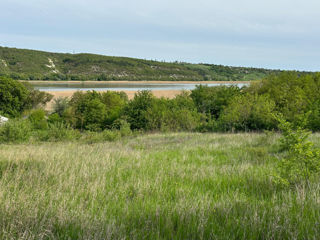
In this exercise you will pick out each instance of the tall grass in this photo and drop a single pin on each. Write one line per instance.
(159, 186)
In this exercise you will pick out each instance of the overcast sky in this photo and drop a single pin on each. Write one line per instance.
(279, 34)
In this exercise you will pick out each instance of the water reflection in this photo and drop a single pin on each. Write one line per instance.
(124, 86)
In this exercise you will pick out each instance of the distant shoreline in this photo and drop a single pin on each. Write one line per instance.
(135, 82)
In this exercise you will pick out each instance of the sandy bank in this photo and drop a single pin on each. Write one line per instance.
(130, 93)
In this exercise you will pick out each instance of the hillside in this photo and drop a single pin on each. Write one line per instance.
(38, 65)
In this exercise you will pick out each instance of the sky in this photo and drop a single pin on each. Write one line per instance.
(277, 34)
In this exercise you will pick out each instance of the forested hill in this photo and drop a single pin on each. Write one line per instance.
(38, 65)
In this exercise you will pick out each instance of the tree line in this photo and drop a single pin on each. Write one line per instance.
(206, 109)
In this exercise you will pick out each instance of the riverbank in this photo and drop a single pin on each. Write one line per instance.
(137, 82)
(130, 93)
(167, 93)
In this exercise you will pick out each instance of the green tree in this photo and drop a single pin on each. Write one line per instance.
(294, 94)
(137, 109)
(88, 111)
(13, 97)
(115, 103)
(248, 112)
(212, 100)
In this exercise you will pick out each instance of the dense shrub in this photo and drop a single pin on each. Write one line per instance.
(55, 118)
(16, 130)
(294, 95)
(248, 112)
(301, 160)
(123, 126)
(38, 119)
(162, 114)
(95, 111)
(178, 114)
(13, 97)
(115, 103)
(212, 100)
(314, 116)
(136, 110)
(16, 97)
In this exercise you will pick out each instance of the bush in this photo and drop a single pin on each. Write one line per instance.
(115, 103)
(15, 130)
(89, 112)
(248, 112)
(207, 125)
(178, 114)
(314, 116)
(136, 110)
(95, 111)
(55, 118)
(301, 160)
(13, 97)
(38, 119)
(212, 100)
(123, 126)
(294, 94)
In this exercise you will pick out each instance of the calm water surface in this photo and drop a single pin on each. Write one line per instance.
(123, 86)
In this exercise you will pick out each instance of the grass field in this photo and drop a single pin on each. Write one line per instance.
(157, 186)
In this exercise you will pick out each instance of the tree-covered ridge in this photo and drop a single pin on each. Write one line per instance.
(38, 65)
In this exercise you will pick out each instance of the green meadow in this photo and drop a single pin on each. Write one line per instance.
(154, 186)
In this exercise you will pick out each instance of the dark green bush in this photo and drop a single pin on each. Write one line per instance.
(55, 118)
(89, 112)
(115, 103)
(212, 100)
(95, 111)
(13, 97)
(248, 112)
(136, 110)
(294, 95)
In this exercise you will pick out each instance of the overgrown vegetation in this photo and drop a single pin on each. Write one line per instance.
(205, 109)
(168, 185)
(37, 65)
